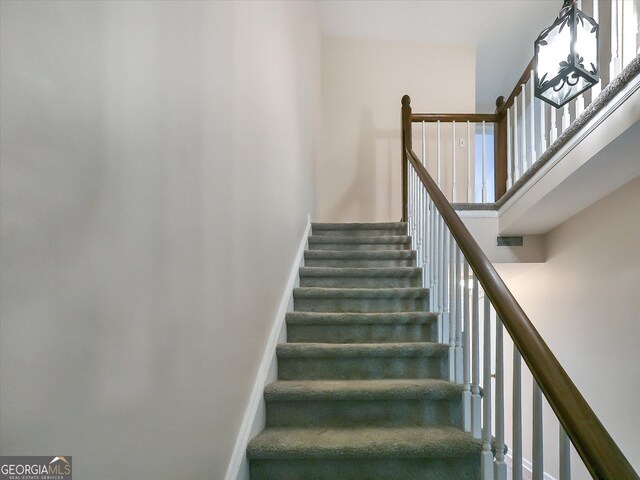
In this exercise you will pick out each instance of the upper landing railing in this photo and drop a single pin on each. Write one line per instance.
(456, 271)
(477, 158)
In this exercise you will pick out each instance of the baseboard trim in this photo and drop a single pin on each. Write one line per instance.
(238, 455)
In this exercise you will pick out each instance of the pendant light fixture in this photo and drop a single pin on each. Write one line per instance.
(566, 56)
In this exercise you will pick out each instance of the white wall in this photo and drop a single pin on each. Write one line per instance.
(157, 174)
(483, 225)
(584, 301)
(363, 81)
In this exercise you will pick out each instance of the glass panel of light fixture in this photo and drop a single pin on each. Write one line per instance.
(586, 44)
(554, 53)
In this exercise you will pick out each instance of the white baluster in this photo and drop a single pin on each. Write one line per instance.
(566, 117)
(616, 62)
(629, 31)
(444, 278)
(416, 229)
(487, 456)
(509, 159)
(516, 155)
(466, 393)
(452, 310)
(595, 90)
(417, 213)
(537, 450)
(484, 174)
(476, 399)
(409, 196)
(438, 169)
(637, 17)
(410, 199)
(579, 104)
(433, 294)
(579, 98)
(413, 207)
(553, 133)
(420, 257)
(470, 198)
(409, 180)
(421, 238)
(565, 455)
(429, 245)
(421, 224)
(458, 298)
(424, 145)
(543, 127)
(500, 467)
(425, 236)
(532, 119)
(454, 172)
(420, 221)
(523, 127)
(443, 267)
(517, 415)
(437, 266)
(439, 254)
(426, 278)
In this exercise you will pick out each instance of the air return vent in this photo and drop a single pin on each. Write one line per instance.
(510, 241)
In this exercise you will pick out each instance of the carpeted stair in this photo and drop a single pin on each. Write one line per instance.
(362, 390)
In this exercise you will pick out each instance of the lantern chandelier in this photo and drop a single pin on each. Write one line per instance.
(566, 56)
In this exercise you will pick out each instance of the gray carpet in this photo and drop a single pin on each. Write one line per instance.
(362, 390)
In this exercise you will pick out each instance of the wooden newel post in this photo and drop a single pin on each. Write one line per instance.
(406, 144)
(500, 149)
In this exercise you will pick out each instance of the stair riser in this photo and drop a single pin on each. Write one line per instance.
(364, 368)
(358, 413)
(358, 333)
(359, 247)
(465, 468)
(360, 233)
(359, 263)
(361, 282)
(342, 305)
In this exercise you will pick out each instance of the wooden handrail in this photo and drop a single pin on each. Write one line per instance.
(599, 452)
(454, 117)
(524, 78)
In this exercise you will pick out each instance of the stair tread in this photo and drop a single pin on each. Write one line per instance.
(365, 442)
(316, 414)
(363, 350)
(323, 292)
(387, 389)
(360, 254)
(322, 318)
(360, 226)
(371, 239)
(360, 272)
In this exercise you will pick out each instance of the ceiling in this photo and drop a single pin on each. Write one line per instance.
(502, 31)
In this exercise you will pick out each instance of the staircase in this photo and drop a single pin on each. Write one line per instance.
(362, 390)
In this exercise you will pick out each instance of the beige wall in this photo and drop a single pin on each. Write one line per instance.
(484, 229)
(584, 301)
(358, 174)
(157, 174)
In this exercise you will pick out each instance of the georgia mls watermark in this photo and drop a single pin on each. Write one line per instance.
(35, 468)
